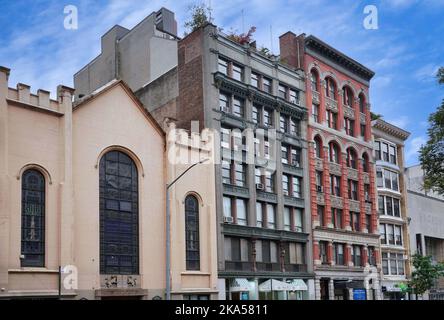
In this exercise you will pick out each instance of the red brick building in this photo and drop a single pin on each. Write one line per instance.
(342, 176)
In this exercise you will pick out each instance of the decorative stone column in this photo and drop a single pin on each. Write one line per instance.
(344, 190)
(326, 177)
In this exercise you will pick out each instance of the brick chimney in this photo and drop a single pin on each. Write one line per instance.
(292, 49)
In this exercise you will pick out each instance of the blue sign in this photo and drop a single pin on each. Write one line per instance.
(359, 294)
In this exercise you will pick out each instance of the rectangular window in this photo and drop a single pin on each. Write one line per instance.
(356, 255)
(241, 211)
(321, 215)
(266, 85)
(256, 114)
(294, 96)
(225, 138)
(355, 222)
(294, 127)
(223, 66)
(238, 107)
(339, 253)
(259, 215)
(363, 129)
(379, 178)
(227, 207)
(395, 184)
(297, 192)
(223, 103)
(254, 80)
(296, 157)
(398, 236)
(337, 217)
(287, 218)
(385, 263)
(319, 181)
(396, 207)
(240, 174)
(390, 234)
(401, 262)
(349, 126)
(282, 92)
(383, 234)
(387, 180)
(378, 150)
(268, 120)
(298, 220)
(226, 172)
(315, 113)
(271, 216)
(381, 209)
(353, 190)
(283, 123)
(238, 72)
(286, 184)
(335, 185)
(388, 206)
(385, 152)
(392, 154)
(269, 182)
(368, 222)
(284, 154)
(323, 247)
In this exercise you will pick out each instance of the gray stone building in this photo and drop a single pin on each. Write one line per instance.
(392, 207)
(257, 105)
(426, 226)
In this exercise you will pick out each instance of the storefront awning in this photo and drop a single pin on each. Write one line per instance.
(274, 285)
(239, 285)
(298, 285)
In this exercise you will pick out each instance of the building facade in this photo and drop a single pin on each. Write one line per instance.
(82, 207)
(341, 165)
(392, 207)
(257, 106)
(426, 225)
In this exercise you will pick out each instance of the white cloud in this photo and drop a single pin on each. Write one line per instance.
(427, 73)
(412, 149)
(400, 122)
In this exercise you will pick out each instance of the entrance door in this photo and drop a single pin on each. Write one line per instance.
(324, 289)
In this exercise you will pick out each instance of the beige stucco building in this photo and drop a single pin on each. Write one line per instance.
(82, 187)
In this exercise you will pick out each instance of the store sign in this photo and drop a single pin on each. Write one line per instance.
(359, 294)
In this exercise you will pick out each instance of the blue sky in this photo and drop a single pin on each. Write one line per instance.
(405, 51)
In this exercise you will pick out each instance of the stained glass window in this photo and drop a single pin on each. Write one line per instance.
(119, 215)
(192, 233)
(33, 219)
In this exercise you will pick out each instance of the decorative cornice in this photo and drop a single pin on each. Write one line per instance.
(321, 47)
(390, 129)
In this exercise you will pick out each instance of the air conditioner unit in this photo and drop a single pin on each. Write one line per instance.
(320, 188)
(296, 163)
(228, 220)
(259, 186)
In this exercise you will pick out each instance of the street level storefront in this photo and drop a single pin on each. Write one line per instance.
(394, 290)
(267, 289)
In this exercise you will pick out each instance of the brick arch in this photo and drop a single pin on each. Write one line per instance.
(320, 134)
(345, 83)
(335, 140)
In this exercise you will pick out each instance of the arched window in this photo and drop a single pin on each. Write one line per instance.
(33, 219)
(330, 88)
(119, 214)
(314, 80)
(361, 103)
(352, 158)
(318, 147)
(334, 152)
(365, 162)
(347, 96)
(192, 233)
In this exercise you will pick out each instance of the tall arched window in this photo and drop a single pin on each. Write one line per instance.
(119, 214)
(347, 96)
(318, 147)
(365, 162)
(314, 80)
(361, 103)
(352, 158)
(334, 152)
(330, 88)
(192, 233)
(33, 219)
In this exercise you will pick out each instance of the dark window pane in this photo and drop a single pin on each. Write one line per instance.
(119, 216)
(192, 233)
(33, 219)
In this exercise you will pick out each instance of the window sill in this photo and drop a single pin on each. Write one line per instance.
(32, 270)
(195, 273)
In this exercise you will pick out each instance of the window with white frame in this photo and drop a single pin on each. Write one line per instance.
(393, 263)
